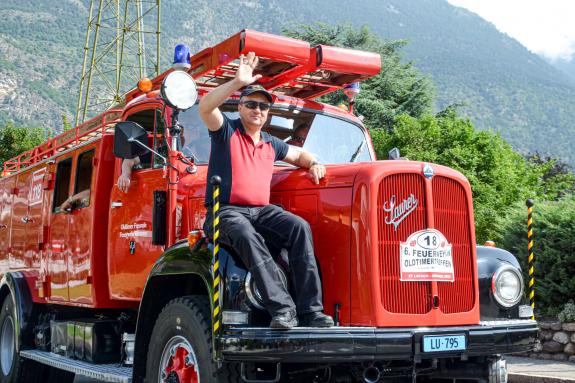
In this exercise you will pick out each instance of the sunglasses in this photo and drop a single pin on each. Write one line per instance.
(255, 104)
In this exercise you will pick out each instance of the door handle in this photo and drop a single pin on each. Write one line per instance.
(27, 219)
(116, 204)
(2, 226)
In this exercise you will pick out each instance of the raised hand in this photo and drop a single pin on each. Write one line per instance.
(246, 68)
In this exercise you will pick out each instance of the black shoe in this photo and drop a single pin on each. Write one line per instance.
(284, 321)
(316, 319)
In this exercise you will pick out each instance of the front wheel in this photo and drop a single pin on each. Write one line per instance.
(181, 345)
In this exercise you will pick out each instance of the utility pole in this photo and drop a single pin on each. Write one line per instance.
(117, 53)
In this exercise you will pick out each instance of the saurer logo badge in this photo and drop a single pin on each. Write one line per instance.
(398, 212)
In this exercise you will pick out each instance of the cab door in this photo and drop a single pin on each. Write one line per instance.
(26, 223)
(80, 224)
(130, 248)
(7, 185)
(58, 246)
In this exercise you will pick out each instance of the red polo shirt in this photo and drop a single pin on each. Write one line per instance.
(245, 168)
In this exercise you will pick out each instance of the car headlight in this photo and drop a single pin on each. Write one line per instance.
(252, 292)
(507, 286)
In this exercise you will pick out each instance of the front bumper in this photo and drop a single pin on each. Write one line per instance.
(348, 344)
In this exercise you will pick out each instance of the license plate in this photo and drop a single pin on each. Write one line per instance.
(443, 343)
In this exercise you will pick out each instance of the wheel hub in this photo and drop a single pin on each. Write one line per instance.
(7, 346)
(178, 363)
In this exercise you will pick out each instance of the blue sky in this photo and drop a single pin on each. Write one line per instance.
(545, 27)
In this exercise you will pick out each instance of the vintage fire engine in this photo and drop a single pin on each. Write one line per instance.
(122, 287)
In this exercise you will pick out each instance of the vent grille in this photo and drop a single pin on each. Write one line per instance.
(451, 216)
(397, 296)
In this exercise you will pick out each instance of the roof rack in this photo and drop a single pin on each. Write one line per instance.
(96, 127)
(288, 66)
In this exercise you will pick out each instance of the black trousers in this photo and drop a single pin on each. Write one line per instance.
(247, 229)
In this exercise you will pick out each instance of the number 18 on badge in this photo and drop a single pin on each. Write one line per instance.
(426, 256)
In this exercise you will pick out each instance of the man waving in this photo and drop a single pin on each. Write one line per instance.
(243, 156)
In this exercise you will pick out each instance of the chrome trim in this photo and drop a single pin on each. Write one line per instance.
(253, 295)
(113, 372)
(500, 300)
(170, 350)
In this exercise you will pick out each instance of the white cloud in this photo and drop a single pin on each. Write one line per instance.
(546, 27)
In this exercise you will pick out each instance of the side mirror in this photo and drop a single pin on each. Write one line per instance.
(394, 154)
(130, 140)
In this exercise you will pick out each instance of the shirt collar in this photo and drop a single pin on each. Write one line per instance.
(265, 137)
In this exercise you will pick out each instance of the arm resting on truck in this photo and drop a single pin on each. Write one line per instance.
(75, 200)
(124, 178)
(304, 159)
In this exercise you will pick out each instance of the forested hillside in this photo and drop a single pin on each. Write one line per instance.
(567, 66)
(497, 82)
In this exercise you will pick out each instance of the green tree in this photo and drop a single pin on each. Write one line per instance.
(398, 89)
(18, 139)
(499, 176)
(557, 176)
(65, 123)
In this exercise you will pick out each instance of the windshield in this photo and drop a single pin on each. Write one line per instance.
(329, 139)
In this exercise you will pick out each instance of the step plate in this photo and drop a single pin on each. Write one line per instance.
(104, 372)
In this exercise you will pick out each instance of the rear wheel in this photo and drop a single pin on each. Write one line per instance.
(181, 345)
(14, 369)
(8, 363)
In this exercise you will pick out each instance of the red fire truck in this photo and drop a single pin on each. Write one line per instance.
(122, 287)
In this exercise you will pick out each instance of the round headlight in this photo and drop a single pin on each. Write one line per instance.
(179, 90)
(252, 292)
(507, 286)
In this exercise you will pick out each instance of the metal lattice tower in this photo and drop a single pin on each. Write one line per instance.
(117, 53)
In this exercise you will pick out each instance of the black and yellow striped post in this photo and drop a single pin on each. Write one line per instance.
(531, 257)
(217, 314)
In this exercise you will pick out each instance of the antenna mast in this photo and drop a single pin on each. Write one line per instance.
(116, 55)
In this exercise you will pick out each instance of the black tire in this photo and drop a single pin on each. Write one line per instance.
(14, 369)
(185, 323)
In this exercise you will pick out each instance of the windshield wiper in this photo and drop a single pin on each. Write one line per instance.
(357, 151)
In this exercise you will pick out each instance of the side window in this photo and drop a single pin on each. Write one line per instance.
(146, 119)
(62, 186)
(84, 179)
(160, 145)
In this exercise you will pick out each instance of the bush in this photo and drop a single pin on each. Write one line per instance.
(568, 312)
(18, 139)
(554, 250)
(499, 176)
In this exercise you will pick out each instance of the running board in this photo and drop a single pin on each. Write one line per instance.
(104, 372)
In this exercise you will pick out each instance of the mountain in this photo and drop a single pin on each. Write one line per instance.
(497, 82)
(565, 65)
